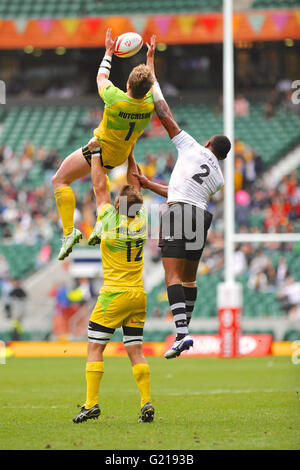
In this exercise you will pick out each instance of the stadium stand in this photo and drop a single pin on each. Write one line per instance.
(28, 126)
(270, 137)
(57, 8)
(65, 9)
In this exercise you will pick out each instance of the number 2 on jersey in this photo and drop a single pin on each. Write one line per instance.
(131, 129)
(198, 177)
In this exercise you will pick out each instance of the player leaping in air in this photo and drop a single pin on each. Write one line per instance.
(184, 226)
(126, 114)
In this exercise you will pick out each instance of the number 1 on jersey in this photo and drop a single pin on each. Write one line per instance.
(131, 129)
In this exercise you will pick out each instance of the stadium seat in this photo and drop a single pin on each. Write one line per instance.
(64, 8)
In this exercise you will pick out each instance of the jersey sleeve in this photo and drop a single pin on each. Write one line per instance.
(183, 140)
(149, 97)
(109, 93)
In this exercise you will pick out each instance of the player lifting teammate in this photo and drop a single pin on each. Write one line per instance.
(122, 299)
(184, 226)
(125, 117)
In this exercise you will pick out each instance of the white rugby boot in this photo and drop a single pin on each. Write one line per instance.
(179, 346)
(68, 242)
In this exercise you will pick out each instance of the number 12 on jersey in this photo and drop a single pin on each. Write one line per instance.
(138, 244)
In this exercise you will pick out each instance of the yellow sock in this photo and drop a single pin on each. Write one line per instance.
(65, 202)
(107, 184)
(94, 372)
(141, 374)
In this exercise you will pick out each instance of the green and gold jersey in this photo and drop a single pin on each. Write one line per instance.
(124, 120)
(122, 247)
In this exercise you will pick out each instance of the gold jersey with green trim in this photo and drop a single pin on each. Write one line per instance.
(122, 247)
(124, 120)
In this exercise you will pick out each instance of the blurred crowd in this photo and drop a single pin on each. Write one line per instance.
(26, 205)
(280, 95)
(28, 213)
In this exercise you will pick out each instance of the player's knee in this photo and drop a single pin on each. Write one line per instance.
(58, 180)
(135, 353)
(55, 181)
(173, 278)
(95, 350)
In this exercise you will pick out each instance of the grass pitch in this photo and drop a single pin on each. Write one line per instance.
(249, 403)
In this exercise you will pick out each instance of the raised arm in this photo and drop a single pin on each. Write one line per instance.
(132, 170)
(145, 183)
(161, 107)
(99, 183)
(105, 66)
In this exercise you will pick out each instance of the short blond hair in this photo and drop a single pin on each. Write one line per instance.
(140, 81)
(134, 200)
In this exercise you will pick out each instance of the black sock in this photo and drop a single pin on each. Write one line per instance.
(177, 305)
(190, 299)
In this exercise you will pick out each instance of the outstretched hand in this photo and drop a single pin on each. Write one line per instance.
(141, 177)
(110, 43)
(151, 46)
(150, 53)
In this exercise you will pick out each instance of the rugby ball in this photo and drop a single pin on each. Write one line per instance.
(128, 44)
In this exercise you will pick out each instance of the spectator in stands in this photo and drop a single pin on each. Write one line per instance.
(92, 119)
(240, 260)
(289, 295)
(271, 278)
(283, 85)
(241, 106)
(249, 173)
(242, 206)
(1, 153)
(170, 162)
(170, 90)
(4, 268)
(17, 329)
(271, 104)
(19, 296)
(258, 281)
(6, 288)
(282, 271)
(50, 164)
(269, 110)
(238, 173)
(259, 263)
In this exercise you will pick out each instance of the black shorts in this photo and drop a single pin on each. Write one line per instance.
(88, 155)
(183, 231)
